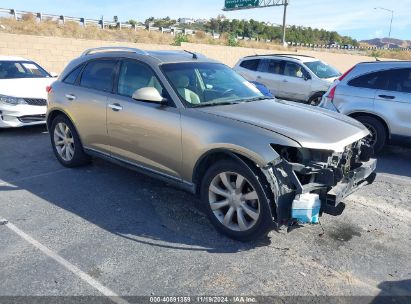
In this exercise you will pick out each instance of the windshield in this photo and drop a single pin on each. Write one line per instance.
(202, 84)
(322, 70)
(21, 69)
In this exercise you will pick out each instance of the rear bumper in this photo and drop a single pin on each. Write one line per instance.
(362, 176)
(22, 115)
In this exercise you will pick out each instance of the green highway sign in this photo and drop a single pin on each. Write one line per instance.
(240, 4)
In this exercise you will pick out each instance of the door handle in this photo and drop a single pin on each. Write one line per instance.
(115, 107)
(285, 80)
(387, 96)
(71, 97)
(259, 77)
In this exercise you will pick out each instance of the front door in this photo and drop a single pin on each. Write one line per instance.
(294, 85)
(143, 133)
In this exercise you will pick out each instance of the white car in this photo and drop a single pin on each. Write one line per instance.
(292, 77)
(23, 92)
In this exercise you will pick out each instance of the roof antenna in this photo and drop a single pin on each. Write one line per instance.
(192, 53)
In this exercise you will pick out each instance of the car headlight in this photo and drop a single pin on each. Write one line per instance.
(10, 100)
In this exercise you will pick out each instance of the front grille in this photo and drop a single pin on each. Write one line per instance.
(36, 101)
(32, 118)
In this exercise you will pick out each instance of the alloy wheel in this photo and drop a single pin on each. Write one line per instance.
(64, 141)
(373, 137)
(234, 201)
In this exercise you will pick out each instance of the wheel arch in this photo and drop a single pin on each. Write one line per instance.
(215, 155)
(379, 118)
(56, 112)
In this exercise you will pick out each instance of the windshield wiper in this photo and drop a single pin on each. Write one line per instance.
(257, 98)
(212, 104)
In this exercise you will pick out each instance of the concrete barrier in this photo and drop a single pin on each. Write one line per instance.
(53, 53)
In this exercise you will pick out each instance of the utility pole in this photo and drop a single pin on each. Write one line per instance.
(285, 21)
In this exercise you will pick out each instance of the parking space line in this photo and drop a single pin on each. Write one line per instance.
(4, 183)
(74, 269)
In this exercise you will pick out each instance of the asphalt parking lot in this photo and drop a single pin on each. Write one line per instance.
(136, 236)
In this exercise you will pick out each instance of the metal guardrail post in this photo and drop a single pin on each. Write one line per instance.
(13, 12)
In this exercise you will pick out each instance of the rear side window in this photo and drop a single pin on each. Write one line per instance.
(273, 66)
(99, 75)
(72, 77)
(251, 64)
(399, 80)
(376, 80)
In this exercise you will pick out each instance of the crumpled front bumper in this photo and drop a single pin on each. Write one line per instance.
(332, 203)
(332, 189)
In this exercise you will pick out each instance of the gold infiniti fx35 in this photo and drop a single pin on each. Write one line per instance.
(193, 121)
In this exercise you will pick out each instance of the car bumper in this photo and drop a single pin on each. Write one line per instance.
(21, 115)
(362, 176)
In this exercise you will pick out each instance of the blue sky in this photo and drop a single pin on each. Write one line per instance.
(350, 17)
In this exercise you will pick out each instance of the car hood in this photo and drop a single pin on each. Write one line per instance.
(25, 87)
(311, 127)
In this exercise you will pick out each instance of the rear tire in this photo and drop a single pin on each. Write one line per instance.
(378, 136)
(235, 202)
(66, 143)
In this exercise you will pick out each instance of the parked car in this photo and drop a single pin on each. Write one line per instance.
(194, 122)
(292, 77)
(378, 94)
(23, 96)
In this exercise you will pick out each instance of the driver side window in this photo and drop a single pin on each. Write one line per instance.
(134, 76)
(293, 70)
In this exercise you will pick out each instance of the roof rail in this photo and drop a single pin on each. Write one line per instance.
(281, 55)
(114, 49)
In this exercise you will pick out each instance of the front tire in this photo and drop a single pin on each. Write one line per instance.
(235, 201)
(315, 100)
(66, 143)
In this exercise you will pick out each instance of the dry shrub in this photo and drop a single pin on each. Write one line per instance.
(200, 35)
(29, 18)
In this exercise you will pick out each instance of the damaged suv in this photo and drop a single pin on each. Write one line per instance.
(193, 121)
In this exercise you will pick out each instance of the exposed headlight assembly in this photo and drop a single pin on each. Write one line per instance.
(10, 100)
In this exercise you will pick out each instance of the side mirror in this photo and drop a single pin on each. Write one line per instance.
(149, 94)
(54, 74)
(307, 77)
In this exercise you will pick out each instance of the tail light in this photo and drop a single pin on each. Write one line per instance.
(331, 94)
(49, 89)
(346, 73)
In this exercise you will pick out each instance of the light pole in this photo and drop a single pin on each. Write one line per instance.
(284, 22)
(392, 17)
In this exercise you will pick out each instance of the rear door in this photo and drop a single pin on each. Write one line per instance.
(270, 75)
(248, 68)
(358, 94)
(86, 98)
(295, 83)
(395, 101)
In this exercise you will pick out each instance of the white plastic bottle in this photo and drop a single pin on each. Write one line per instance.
(306, 208)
